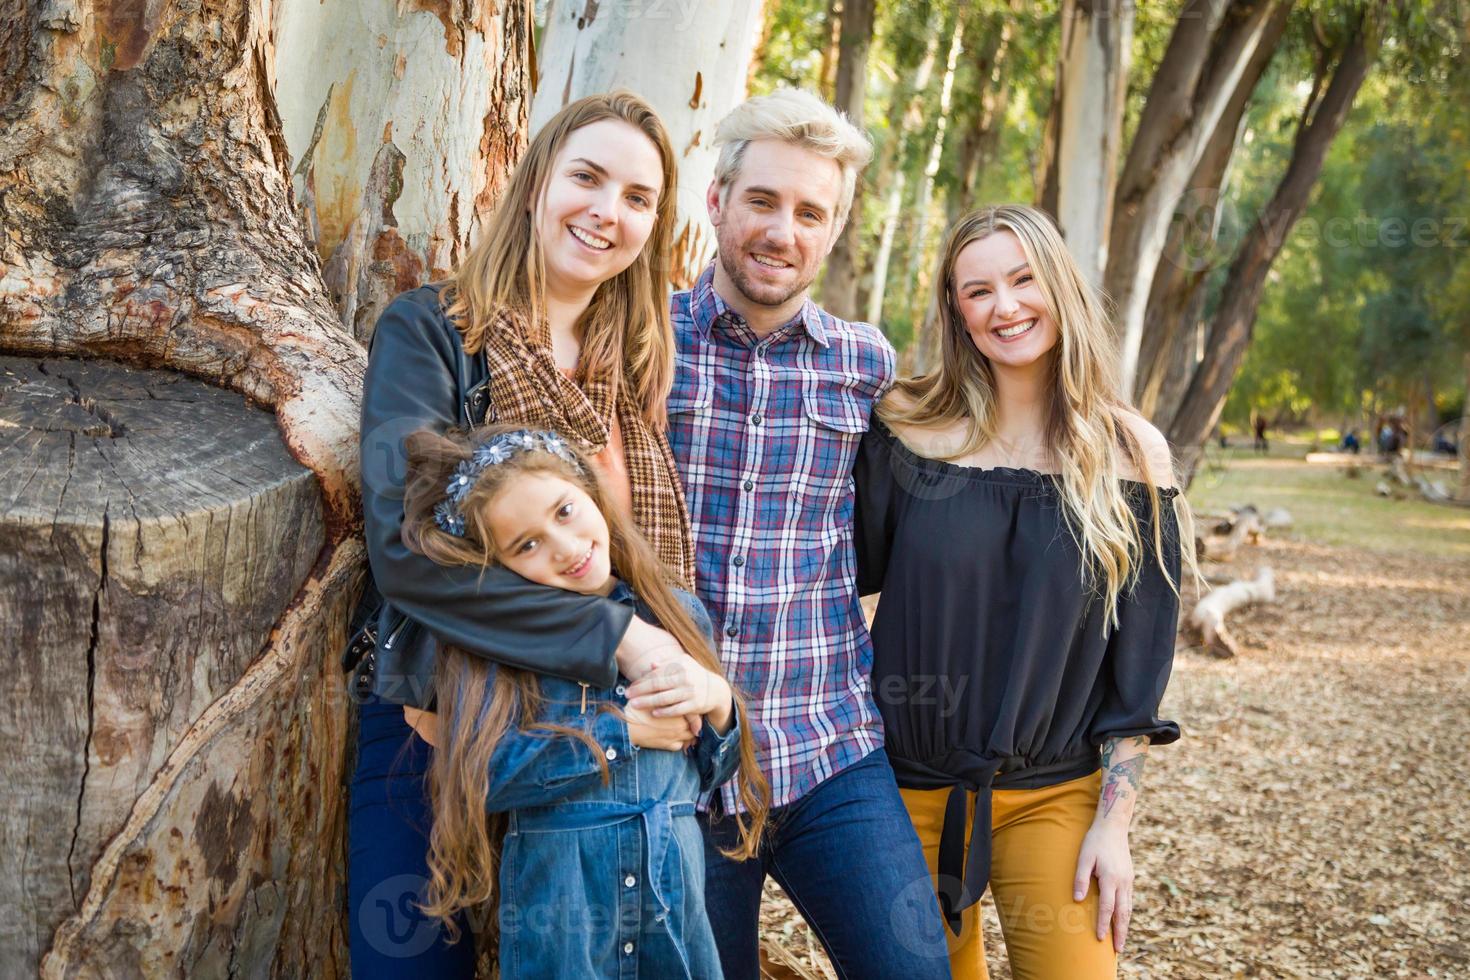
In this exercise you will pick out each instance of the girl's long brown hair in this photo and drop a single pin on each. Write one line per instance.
(626, 333)
(475, 713)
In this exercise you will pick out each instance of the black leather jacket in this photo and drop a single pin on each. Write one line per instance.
(420, 377)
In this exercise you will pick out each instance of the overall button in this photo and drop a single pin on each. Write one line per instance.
(630, 881)
(620, 690)
(627, 947)
(611, 753)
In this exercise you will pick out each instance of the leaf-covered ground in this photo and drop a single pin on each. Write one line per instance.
(1315, 819)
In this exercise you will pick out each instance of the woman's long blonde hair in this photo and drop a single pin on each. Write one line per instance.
(474, 713)
(1086, 434)
(625, 331)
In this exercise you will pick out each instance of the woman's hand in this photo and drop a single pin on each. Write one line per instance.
(1105, 856)
(648, 732)
(679, 686)
(644, 646)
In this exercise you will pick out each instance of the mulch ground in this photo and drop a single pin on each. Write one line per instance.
(1315, 819)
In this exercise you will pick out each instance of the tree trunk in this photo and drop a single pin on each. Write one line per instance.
(181, 724)
(831, 49)
(376, 93)
(688, 61)
(925, 346)
(1193, 249)
(891, 174)
(840, 280)
(1200, 71)
(1085, 129)
(1230, 330)
(993, 70)
(1463, 491)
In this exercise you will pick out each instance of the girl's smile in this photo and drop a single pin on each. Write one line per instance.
(548, 530)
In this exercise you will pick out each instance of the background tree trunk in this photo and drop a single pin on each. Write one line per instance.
(1193, 249)
(402, 121)
(891, 174)
(1206, 58)
(1085, 129)
(678, 57)
(187, 709)
(840, 279)
(925, 346)
(1463, 492)
(1230, 329)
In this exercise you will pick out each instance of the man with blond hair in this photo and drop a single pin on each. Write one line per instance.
(771, 397)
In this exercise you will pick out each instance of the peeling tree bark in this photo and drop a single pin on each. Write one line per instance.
(402, 120)
(1230, 329)
(688, 61)
(1084, 133)
(204, 556)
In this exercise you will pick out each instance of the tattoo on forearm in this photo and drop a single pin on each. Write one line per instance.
(1122, 780)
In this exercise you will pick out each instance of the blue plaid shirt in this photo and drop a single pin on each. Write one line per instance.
(766, 432)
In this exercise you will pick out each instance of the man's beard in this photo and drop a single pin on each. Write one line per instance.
(760, 295)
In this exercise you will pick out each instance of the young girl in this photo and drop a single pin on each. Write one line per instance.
(543, 797)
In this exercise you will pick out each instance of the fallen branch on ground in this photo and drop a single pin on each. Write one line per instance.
(1209, 613)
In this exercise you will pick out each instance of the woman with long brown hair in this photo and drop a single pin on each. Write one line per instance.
(1019, 519)
(586, 823)
(556, 319)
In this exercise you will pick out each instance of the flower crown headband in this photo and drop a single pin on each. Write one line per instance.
(507, 445)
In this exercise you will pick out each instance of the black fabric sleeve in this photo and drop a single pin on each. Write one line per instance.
(1140, 651)
(875, 491)
(495, 613)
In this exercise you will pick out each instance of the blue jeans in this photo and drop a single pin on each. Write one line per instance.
(387, 863)
(848, 857)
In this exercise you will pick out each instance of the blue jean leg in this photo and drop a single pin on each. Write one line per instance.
(847, 855)
(387, 864)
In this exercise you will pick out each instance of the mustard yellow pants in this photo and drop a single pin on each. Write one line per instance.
(1035, 837)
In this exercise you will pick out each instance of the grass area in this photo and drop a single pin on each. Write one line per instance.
(1329, 507)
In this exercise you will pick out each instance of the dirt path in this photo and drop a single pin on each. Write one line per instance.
(1315, 820)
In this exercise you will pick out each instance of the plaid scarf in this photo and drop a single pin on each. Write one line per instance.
(527, 388)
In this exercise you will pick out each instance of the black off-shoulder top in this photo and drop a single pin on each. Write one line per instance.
(992, 665)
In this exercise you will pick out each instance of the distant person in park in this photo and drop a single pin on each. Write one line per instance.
(1019, 520)
(578, 819)
(770, 400)
(1262, 445)
(1350, 442)
(556, 319)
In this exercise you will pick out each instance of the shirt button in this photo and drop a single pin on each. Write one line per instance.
(630, 881)
(611, 753)
(756, 418)
(739, 560)
(620, 690)
(749, 485)
(732, 631)
(627, 947)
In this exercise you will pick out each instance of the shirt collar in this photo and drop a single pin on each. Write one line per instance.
(708, 306)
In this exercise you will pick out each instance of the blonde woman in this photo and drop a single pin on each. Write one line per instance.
(557, 319)
(1018, 518)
